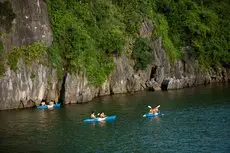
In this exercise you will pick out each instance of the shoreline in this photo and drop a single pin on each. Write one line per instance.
(131, 93)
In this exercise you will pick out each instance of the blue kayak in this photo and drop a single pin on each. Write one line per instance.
(48, 106)
(151, 114)
(108, 118)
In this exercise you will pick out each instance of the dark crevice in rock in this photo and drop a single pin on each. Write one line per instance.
(30, 103)
(226, 66)
(187, 85)
(184, 66)
(62, 91)
(21, 104)
(111, 90)
(153, 72)
(6, 15)
(164, 85)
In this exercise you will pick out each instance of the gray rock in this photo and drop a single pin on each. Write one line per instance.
(20, 90)
(146, 29)
(152, 85)
(119, 77)
(30, 25)
(78, 89)
(19, 86)
(105, 88)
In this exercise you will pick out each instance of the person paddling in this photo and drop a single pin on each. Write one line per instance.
(92, 115)
(154, 110)
(101, 115)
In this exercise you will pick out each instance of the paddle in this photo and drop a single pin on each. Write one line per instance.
(156, 107)
(148, 107)
(151, 108)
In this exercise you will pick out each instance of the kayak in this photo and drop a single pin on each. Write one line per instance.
(108, 118)
(151, 114)
(48, 106)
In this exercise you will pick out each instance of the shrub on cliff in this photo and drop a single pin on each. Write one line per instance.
(87, 33)
(85, 36)
(28, 54)
(142, 53)
(203, 25)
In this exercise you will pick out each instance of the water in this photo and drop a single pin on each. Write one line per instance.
(194, 120)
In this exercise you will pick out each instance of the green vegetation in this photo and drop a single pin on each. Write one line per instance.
(162, 30)
(87, 34)
(203, 25)
(28, 54)
(142, 52)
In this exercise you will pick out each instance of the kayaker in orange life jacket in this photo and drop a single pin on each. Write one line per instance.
(154, 110)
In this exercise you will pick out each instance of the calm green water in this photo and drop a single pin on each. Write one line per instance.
(194, 120)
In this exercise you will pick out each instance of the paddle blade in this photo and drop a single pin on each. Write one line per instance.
(149, 107)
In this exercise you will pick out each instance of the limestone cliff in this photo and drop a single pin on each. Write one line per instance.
(29, 23)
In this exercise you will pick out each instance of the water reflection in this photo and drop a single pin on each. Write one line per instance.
(45, 118)
(189, 115)
(155, 119)
(100, 124)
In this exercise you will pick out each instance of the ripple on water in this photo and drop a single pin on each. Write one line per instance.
(194, 120)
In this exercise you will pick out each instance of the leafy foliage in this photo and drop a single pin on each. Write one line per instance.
(162, 30)
(142, 52)
(28, 54)
(86, 33)
(203, 25)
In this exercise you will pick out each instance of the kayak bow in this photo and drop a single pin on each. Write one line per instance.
(48, 106)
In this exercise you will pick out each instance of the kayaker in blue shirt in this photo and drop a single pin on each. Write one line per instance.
(154, 110)
(92, 115)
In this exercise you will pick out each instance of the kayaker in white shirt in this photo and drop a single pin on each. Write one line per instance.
(43, 103)
(92, 115)
(51, 105)
(101, 115)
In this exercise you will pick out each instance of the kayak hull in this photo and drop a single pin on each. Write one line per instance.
(47, 106)
(151, 114)
(108, 118)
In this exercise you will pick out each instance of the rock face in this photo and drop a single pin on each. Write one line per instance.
(27, 87)
(20, 90)
(31, 23)
(77, 89)
(28, 23)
